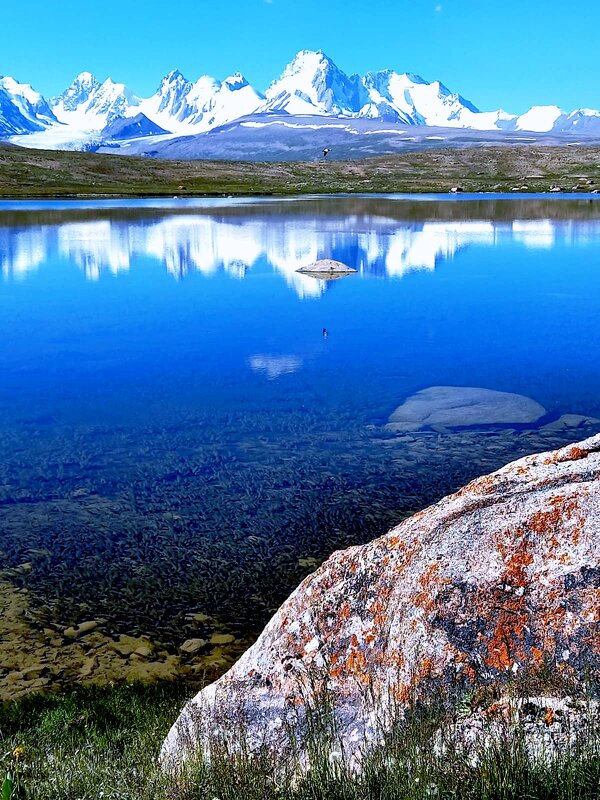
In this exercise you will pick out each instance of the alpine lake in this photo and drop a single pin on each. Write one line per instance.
(189, 426)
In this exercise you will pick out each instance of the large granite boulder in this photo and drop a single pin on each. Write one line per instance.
(492, 581)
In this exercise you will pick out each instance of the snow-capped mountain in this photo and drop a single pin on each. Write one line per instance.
(22, 109)
(181, 106)
(89, 105)
(310, 88)
(168, 106)
(312, 84)
(542, 118)
(409, 99)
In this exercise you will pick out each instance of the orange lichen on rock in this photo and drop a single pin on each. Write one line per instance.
(498, 709)
(573, 453)
(576, 453)
(546, 523)
(356, 663)
(505, 644)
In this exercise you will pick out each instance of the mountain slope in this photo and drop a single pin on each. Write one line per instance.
(282, 137)
(132, 128)
(22, 109)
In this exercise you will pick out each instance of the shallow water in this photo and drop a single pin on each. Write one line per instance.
(177, 435)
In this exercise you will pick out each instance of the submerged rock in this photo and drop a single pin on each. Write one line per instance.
(192, 645)
(567, 421)
(497, 579)
(463, 406)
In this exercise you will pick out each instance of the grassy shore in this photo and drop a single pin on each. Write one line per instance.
(40, 173)
(103, 743)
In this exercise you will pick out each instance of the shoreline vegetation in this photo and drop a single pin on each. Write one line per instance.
(27, 173)
(104, 742)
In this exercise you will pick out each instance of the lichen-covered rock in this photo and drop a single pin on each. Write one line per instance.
(493, 580)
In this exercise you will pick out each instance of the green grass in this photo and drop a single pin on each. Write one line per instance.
(90, 743)
(45, 173)
(103, 743)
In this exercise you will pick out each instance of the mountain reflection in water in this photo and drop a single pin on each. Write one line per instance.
(373, 244)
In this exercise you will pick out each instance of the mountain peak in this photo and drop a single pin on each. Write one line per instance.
(235, 81)
(309, 58)
(22, 109)
(313, 84)
(175, 76)
(85, 79)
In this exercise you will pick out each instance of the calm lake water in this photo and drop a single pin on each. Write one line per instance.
(177, 435)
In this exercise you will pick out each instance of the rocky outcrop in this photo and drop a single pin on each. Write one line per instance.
(492, 581)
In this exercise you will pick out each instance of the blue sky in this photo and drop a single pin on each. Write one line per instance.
(497, 53)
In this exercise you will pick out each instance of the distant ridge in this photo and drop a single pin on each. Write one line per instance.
(311, 85)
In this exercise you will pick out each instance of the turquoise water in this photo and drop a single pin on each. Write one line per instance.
(178, 435)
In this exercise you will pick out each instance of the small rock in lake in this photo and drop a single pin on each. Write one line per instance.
(326, 267)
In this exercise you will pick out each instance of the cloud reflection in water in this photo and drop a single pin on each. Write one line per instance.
(208, 244)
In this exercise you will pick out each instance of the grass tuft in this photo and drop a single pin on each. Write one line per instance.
(104, 742)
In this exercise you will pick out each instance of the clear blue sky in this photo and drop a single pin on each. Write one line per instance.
(497, 53)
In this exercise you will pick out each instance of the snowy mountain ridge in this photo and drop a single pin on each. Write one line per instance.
(311, 85)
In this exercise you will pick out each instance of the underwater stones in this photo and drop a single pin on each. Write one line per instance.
(35, 658)
(88, 666)
(144, 651)
(35, 671)
(81, 630)
(440, 407)
(128, 645)
(309, 562)
(216, 659)
(193, 645)
(222, 638)
(493, 581)
(200, 617)
(567, 421)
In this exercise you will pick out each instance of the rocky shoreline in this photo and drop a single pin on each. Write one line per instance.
(54, 658)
